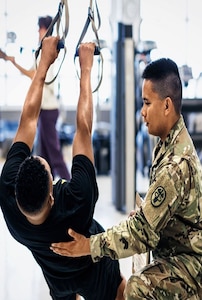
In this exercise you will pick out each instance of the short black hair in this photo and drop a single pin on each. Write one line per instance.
(44, 22)
(32, 185)
(164, 74)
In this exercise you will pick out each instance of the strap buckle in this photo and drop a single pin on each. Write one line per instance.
(90, 13)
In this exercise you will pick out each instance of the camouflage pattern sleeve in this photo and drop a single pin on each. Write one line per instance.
(168, 191)
(133, 235)
(141, 233)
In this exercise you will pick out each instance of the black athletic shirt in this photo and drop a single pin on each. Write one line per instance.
(74, 204)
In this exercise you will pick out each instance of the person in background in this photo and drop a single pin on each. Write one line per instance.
(38, 210)
(48, 143)
(169, 222)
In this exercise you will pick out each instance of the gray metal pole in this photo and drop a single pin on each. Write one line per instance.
(123, 123)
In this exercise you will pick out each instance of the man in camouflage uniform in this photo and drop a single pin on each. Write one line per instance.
(169, 221)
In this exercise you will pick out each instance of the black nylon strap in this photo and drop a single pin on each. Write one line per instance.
(91, 20)
(61, 44)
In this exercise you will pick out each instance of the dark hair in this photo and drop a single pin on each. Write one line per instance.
(32, 185)
(44, 22)
(166, 80)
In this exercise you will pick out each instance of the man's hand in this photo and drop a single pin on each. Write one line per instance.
(10, 58)
(86, 54)
(49, 51)
(79, 247)
(6, 57)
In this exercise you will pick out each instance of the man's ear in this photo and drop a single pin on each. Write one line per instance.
(168, 103)
(51, 199)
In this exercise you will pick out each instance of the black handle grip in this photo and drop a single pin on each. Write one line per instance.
(96, 52)
(60, 44)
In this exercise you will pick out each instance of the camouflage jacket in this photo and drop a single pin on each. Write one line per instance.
(170, 220)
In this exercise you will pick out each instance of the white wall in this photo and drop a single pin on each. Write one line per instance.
(175, 26)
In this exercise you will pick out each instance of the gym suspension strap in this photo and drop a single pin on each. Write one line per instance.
(91, 19)
(57, 20)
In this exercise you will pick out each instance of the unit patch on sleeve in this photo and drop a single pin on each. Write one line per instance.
(158, 196)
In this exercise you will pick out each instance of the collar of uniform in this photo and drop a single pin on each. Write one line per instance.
(179, 125)
(170, 137)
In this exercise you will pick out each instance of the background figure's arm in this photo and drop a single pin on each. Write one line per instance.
(29, 73)
(82, 143)
(30, 113)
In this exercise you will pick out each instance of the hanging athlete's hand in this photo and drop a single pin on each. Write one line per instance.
(80, 246)
(86, 53)
(49, 50)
